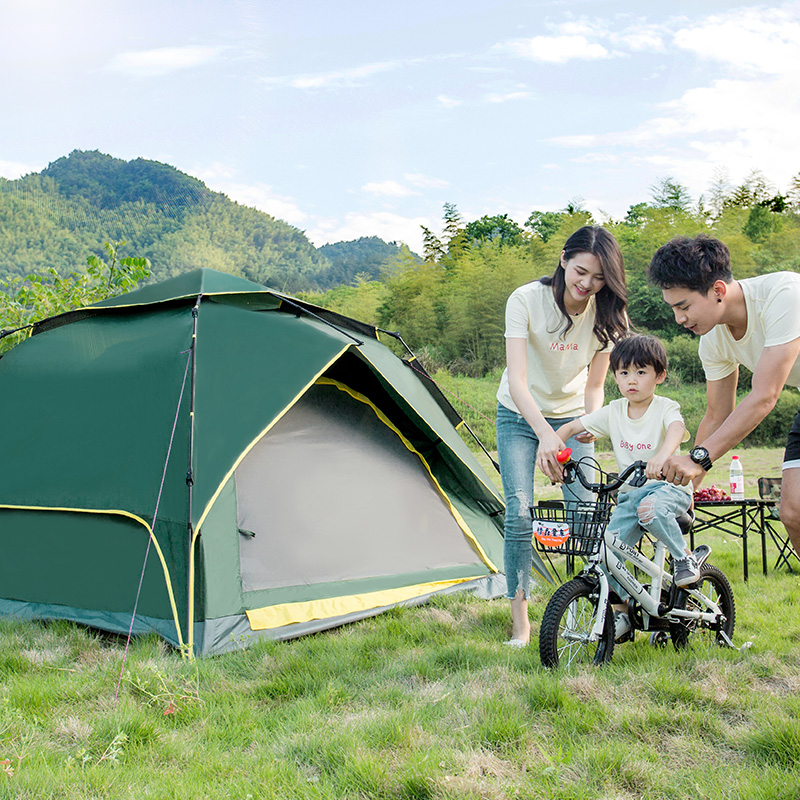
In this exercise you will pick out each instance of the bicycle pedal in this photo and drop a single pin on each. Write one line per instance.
(701, 553)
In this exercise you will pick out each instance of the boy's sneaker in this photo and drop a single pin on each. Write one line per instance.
(687, 571)
(622, 627)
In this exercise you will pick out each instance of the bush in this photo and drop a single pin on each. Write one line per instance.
(773, 430)
(684, 362)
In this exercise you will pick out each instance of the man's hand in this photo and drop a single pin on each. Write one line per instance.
(681, 470)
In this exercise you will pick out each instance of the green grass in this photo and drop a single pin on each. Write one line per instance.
(417, 703)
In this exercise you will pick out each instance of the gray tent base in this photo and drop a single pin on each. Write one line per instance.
(234, 632)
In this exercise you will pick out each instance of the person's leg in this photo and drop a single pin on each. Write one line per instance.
(790, 505)
(658, 510)
(516, 452)
(624, 523)
(790, 486)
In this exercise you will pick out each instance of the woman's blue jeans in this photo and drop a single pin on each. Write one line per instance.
(517, 445)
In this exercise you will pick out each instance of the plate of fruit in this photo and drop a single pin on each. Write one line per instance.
(711, 493)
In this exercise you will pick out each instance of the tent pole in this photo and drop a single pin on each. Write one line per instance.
(190, 475)
(420, 370)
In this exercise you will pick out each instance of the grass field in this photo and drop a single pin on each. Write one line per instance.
(417, 703)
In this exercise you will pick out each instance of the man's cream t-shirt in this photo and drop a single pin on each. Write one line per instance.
(557, 366)
(635, 439)
(773, 318)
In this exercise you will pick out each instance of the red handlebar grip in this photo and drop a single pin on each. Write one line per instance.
(564, 455)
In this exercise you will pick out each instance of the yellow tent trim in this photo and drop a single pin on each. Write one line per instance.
(386, 421)
(227, 477)
(135, 518)
(291, 613)
(486, 483)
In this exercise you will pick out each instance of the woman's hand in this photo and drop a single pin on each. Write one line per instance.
(585, 437)
(550, 445)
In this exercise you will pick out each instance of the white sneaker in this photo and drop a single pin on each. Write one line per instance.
(622, 626)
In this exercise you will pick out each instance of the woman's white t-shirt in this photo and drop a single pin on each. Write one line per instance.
(557, 365)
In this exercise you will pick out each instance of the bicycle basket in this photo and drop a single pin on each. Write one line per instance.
(576, 530)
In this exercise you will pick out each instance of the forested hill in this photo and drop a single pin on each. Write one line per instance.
(57, 217)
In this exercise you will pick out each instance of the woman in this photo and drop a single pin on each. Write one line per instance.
(559, 333)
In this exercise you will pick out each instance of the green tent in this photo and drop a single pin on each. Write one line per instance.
(215, 461)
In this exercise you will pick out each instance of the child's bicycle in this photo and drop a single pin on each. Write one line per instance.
(578, 623)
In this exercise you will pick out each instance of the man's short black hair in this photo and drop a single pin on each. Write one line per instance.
(639, 351)
(695, 264)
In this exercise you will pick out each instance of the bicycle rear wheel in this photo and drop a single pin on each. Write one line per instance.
(695, 634)
(567, 623)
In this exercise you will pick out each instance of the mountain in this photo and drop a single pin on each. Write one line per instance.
(366, 257)
(57, 217)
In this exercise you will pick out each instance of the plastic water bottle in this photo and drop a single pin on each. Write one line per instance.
(737, 479)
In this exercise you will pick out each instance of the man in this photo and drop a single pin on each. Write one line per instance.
(755, 322)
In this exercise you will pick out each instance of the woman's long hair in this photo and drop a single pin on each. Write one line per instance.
(611, 319)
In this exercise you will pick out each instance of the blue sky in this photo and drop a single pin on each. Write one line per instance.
(354, 118)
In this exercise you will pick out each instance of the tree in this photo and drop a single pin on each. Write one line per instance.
(36, 296)
(500, 228)
(432, 247)
(669, 194)
(793, 194)
(544, 223)
(755, 189)
(720, 190)
(760, 223)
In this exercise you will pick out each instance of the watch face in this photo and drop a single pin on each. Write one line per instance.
(699, 453)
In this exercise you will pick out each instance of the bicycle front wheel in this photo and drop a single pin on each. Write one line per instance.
(564, 638)
(695, 634)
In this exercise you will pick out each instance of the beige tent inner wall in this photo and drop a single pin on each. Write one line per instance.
(332, 493)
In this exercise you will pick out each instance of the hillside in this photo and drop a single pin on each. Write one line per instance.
(57, 217)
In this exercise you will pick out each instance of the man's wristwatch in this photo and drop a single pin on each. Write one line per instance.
(700, 456)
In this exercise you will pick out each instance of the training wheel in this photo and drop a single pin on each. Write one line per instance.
(659, 638)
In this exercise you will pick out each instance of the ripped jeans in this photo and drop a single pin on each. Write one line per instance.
(516, 451)
(653, 507)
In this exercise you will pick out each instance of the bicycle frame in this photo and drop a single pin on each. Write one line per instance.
(610, 560)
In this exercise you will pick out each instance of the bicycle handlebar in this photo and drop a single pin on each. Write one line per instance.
(572, 469)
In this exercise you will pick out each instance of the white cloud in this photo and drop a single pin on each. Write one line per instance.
(497, 97)
(261, 197)
(557, 49)
(386, 225)
(343, 77)
(12, 170)
(214, 172)
(746, 119)
(424, 182)
(448, 102)
(388, 189)
(162, 60)
(761, 40)
(641, 39)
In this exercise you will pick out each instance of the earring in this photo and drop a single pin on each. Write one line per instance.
(719, 299)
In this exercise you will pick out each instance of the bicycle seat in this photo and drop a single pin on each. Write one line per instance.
(685, 521)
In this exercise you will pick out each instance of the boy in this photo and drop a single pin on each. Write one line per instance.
(643, 427)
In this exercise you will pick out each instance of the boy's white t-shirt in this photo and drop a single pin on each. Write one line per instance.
(635, 439)
(773, 318)
(557, 366)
